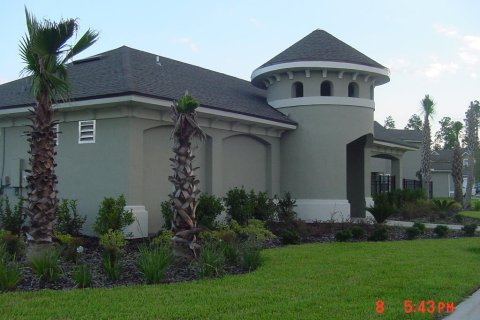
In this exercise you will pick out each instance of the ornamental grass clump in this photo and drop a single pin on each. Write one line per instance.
(211, 260)
(10, 274)
(154, 262)
(82, 275)
(251, 257)
(46, 265)
(113, 243)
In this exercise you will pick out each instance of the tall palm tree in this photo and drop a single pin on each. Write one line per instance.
(471, 143)
(45, 52)
(457, 163)
(184, 195)
(428, 108)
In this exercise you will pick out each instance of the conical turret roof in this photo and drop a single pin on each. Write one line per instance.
(322, 46)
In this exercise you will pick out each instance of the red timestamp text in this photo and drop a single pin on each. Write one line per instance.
(428, 306)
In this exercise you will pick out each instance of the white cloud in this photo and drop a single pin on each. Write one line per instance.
(474, 75)
(473, 42)
(399, 65)
(449, 31)
(255, 22)
(188, 42)
(434, 70)
(468, 57)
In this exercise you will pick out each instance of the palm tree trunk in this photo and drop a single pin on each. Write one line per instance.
(426, 157)
(470, 181)
(457, 174)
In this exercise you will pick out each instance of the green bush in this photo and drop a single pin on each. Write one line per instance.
(69, 245)
(10, 274)
(420, 226)
(47, 265)
(470, 229)
(343, 235)
(208, 209)
(380, 233)
(239, 205)
(383, 207)
(230, 251)
(412, 232)
(113, 243)
(264, 206)
(68, 219)
(251, 257)
(167, 213)
(357, 232)
(476, 205)
(286, 208)
(82, 276)
(211, 260)
(443, 205)
(14, 244)
(112, 215)
(12, 220)
(254, 229)
(154, 262)
(441, 231)
(163, 239)
(458, 218)
(289, 236)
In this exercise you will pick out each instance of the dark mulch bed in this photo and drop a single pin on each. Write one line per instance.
(186, 270)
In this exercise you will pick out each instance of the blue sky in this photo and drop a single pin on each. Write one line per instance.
(429, 46)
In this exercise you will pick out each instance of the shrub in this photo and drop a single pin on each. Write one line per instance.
(343, 235)
(251, 257)
(264, 206)
(211, 260)
(357, 232)
(230, 251)
(167, 213)
(222, 235)
(68, 219)
(476, 205)
(13, 243)
(10, 274)
(208, 209)
(164, 239)
(289, 236)
(239, 205)
(470, 229)
(458, 218)
(113, 243)
(47, 265)
(12, 220)
(443, 205)
(412, 232)
(69, 246)
(112, 215)
(82, 276)
(380, 233)
(154, 262)
(112, 268)
(382, 209)
(254, 228)
(441, 231)
(286, 208)
(412, 210)
(420, 226)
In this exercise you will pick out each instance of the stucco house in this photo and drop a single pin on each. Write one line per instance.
(303, 124)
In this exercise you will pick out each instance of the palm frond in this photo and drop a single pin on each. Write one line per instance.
(88, 38)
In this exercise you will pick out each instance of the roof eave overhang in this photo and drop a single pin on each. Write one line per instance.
(382, 75)
(393, 145)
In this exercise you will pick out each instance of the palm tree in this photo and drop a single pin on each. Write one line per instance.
(457, 163)
(428, 108)
(471, 143)
(45, 52)
(184, 195)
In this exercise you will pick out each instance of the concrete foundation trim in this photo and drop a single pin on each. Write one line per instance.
(139, 228)
(323, 209)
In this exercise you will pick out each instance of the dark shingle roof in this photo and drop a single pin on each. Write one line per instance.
(392, 135)
(129, 71)
(322, 46)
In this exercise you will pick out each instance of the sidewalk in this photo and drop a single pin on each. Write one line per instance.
(468, 309)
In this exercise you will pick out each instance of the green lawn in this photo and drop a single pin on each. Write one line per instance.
(314, 281)
(471, 214)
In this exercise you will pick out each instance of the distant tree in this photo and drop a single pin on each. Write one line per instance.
(445, 136)
(414, 123)
(457, 163)
(389, 123)
(471, 144)
(428, 108)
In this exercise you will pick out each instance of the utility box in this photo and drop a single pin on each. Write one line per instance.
(16, 169)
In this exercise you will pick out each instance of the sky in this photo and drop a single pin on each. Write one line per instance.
(430, 47)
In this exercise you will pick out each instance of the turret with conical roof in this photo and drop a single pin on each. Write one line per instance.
(327, 87)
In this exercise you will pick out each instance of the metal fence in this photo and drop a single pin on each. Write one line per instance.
(381, 184)
(416, 184)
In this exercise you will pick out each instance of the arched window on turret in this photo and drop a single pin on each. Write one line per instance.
(297, 90)
(353, 90)
(326, 88)
(371, 92)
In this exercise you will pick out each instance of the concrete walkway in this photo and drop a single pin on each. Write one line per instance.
(468, 309)
(427, 225)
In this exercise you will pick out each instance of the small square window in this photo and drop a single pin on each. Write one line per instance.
(86, 131)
